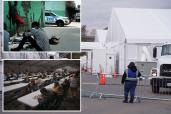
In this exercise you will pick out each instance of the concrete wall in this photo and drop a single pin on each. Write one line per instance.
(58, 7)
(30, 10)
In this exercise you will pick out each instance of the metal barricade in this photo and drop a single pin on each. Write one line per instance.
(156, 88)
(114, 88)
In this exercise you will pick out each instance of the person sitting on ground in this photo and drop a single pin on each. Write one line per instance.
(40, 41)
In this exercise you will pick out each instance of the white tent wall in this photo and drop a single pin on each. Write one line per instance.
(110, 63)
(100, 36)
(115, 33)
(83, 61)
(86, 61)
(89, 59)
(132, 33)
(99, 59)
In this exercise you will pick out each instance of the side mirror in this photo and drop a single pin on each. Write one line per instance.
(154, 52)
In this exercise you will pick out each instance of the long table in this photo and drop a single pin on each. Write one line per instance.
(29, 98)
(13, 81)
(14, 87)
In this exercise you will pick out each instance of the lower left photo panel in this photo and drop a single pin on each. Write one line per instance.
(37, 85)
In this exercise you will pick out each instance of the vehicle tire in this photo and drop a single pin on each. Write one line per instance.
(155, 89)
(60, 23)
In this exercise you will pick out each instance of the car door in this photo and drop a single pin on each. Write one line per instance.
(50, 18)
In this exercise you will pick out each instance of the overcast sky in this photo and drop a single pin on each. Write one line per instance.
(96, 13)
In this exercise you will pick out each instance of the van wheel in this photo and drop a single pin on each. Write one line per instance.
(60, 23)
(155, 89)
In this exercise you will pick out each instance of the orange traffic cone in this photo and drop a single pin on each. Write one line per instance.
(102, 79)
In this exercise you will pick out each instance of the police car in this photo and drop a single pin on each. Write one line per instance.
(52, 18)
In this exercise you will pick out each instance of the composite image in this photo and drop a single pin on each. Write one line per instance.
(85, 56)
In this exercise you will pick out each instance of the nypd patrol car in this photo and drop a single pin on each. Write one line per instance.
(52, 18)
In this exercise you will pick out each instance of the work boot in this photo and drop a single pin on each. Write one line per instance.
(131, 100)
(125, 100)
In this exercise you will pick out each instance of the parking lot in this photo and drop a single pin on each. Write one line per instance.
(111, 103)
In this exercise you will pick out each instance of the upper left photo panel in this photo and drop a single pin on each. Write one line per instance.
(41, 26)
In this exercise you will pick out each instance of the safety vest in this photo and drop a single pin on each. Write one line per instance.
(131, 76)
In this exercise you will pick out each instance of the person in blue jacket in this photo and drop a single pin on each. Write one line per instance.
(129, 79)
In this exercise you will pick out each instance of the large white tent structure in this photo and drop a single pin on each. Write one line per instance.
(133, 32)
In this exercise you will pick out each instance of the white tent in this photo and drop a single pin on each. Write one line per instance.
(133, 33)
(97, 55)
(134, 25)
(100, 36)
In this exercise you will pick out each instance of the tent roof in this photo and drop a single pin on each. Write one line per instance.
(145, 25)
(100, 35)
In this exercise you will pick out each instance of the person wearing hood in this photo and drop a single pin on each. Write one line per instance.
(129, 79)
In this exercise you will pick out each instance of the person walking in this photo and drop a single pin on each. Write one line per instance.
(129, 79)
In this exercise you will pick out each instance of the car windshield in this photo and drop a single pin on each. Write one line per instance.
(166, 50)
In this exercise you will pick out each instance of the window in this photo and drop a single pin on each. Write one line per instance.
(47, 14)
(166, 50)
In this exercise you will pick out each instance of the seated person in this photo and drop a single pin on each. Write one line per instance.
(46, 99)
(15, 76)
(40, 41)
(73, 85)
(26, 80)
(39, 81)
(33, 86)
(57, 89)
(55, 77)
(65, 85)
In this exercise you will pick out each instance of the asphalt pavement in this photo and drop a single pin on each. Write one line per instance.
(69, 37)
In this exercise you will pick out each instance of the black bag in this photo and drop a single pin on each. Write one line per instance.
(54, 40)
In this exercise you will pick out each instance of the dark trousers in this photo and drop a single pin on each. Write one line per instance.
(130, 87)
(31, 40)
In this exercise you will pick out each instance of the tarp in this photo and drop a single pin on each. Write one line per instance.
(135, 25)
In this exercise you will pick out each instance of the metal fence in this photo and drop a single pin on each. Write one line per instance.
(113, 87)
